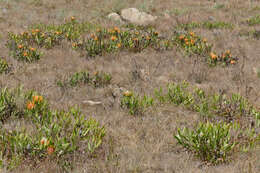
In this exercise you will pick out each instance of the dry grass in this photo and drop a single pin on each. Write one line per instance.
(142, 143)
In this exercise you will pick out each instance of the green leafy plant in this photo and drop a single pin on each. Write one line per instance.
(210, 142)
(135, 104)
(8, 103)
(98, 79)
(225, 58)
(4, 67)
(254, 20)
(56, 135)
(21, 50)
(206, 25)
(192, 43)
(178, 94)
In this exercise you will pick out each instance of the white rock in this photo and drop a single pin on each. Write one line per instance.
(134, 16)
(92, 103)
(115, 17)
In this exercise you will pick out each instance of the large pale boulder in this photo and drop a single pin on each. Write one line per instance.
(134, 16)
(115, 17)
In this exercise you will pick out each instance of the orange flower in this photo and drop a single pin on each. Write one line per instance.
(213, 56)
(44, 141)
(96, 73)
(232, 62)
(98, 30)
(192, 41)
(186, 40)
(204, 40)
(37, 30)
(96, 38)
(156, 33)
(30, 105)
(72, 18)
(20, 46)
(117, 29)
(57, 32)
(187, 43)
(113, 38)
(32, 49)
(181, 37)
(37, 98)
(192, 34)
(25, 54)
(50, 150)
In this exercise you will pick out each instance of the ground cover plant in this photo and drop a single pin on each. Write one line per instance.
(4, 67)
(98, 79)
(58, 134)
(180, 94)
(206, 25)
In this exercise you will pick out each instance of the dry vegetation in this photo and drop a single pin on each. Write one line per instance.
(80, 93)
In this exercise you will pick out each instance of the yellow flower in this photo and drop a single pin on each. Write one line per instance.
(204, 40)
(74, 44)
(113, 38)
(148, 38)
(232, 62)
(228, 52)
(128, 93)
(181, 37)
(118, 45)
(135, 39)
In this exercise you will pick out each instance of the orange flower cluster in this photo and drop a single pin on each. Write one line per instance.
(226, 57)
(113, 38)
(36, 100)
(188, 40)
